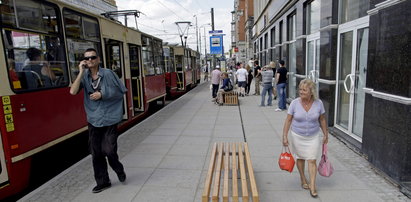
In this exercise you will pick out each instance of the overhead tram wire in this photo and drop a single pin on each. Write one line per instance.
(182, 6)
(169, 9)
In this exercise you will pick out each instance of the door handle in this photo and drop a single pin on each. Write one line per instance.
(345, 83)
(352, 78)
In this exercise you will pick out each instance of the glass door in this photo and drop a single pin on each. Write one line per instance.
(313, 58)
(114, 61)
(351, 75)
(136, 78)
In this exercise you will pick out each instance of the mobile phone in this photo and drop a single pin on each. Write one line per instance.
(85, 66)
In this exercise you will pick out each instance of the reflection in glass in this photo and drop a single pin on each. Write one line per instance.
(313, 16)
(360, 78)
(292, 68)
(346, 41)
(353, 9)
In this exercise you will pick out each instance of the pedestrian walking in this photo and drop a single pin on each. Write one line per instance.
(249, 79)
(103, 103)
(242, 79)
(306, 116)
(205, 72)
(281, 79)
(267, 81)
(215, 81)
(273, 67)
(257, 77)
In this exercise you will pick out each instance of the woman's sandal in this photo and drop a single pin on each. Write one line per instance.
(305, 186)
(313, 194)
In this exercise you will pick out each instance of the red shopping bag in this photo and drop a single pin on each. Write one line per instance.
(325, 168)
(286, 160)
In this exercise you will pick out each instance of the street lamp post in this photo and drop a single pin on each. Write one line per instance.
(205, 40)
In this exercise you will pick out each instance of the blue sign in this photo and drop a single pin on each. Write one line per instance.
(216, 32)
(216, 44)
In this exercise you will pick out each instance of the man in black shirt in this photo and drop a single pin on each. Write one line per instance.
(257, 77)
(281, 79)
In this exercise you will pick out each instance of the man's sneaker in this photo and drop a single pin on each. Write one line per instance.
(278, 110)
(100, 188)
(122, 177)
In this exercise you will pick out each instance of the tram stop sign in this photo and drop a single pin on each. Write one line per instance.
(216, 44)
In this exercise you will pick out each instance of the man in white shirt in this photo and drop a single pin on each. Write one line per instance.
(242, 79)
(215, 81)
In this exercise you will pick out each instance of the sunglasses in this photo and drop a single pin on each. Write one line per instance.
(91, 57)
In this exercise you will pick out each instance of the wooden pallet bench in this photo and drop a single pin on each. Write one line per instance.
(231, 98)
(230, 164)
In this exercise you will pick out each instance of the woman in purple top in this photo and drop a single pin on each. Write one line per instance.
(306, 116)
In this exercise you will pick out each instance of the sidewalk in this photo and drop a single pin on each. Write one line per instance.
(166, 158)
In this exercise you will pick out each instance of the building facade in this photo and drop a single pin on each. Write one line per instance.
(241, 30)
(94, 6)
(357, 52)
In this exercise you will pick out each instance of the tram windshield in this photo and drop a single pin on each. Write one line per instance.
(33, 45)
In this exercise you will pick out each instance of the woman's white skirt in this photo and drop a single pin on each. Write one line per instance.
(305, 147)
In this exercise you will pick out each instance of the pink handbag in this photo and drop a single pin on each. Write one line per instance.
(325, 168)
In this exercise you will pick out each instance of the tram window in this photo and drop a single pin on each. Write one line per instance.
(37, 16)
(81, 27)
(31, 14)
(82, 33)
(147, 53)
(172, 61)
(113, 56)
(72, 25)
(35, 58)
(7, 13)
(179, 62)
(91, 29)
(158, 57)
(35, 61)
(134, 63)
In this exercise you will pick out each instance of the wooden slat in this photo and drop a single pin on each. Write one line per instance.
(209, 177)
(226, 170)
(234, 172)
(216, 187)
(250, 169)
(244, 187)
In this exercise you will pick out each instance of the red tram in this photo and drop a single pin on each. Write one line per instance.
(42, 43)
(182, 69)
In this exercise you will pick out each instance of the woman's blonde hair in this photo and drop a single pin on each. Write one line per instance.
(311, 85)
(247, 67)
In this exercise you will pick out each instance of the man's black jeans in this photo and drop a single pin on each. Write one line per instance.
(102, 143)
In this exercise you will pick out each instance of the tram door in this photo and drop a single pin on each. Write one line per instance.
(4, 177)
(351, 75)
(136, 80)
(179, 59)
(114, 61)
(313, 58)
